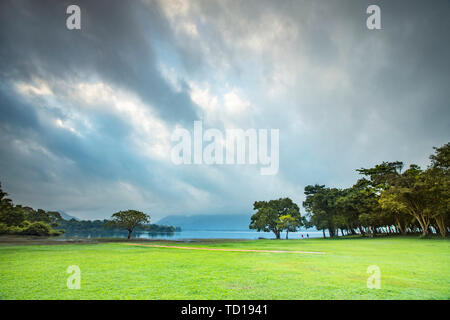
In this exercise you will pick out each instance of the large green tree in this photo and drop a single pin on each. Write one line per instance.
(437, 182)
(288, 223)
(10, 215)
(409, 193)
(267, 217)
(128, 220)
(320, 205)
(373, 215)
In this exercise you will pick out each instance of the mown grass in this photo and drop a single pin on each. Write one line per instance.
(410, 269)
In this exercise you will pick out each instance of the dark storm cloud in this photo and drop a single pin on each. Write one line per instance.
(114, 44)
(396, 105)
(343, 96)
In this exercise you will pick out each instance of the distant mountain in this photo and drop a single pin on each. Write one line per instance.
(67, 216)
(222, 222)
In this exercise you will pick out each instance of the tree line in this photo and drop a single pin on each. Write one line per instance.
(23, 220)
(385, 200)
(101, 228)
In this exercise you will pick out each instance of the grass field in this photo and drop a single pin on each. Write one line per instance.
(410, 269)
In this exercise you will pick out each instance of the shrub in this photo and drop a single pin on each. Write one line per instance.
(12, 217)
(4, 229)
(37, 229)
(27, 228)
(57, 232)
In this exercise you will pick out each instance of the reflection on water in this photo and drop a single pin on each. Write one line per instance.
(186, 235)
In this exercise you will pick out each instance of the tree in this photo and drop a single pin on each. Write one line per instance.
(320, 204)
(267, 217)
(12, 216)
(436, 194)
(9, 214)
(288, 223)
(409, 193)
(128, 220)
(437, 181)
(387, 200)
(16, 219)
(348, 208)
(441, 158)
(51, 218)
(382, 174)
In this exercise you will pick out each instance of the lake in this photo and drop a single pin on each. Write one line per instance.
(203, 234)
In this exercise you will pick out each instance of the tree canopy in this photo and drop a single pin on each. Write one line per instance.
(19, 220)
(128, 220)
(386, 200)
(276, 216)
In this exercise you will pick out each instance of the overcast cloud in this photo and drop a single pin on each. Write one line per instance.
(86, 115)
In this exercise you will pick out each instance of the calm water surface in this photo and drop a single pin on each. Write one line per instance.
(187, 235)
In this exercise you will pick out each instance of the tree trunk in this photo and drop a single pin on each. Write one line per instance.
(401, 228)
(277, 234)
(129, 234)
(441, 225)
(287, 232)
(331, 232)
(424, 224)
(361, 231)
(323, 231)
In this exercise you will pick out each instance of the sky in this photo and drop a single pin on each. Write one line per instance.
(86, 116)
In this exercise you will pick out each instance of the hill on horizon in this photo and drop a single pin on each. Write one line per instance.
(67, 216)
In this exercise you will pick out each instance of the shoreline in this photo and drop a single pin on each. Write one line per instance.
(15, 240)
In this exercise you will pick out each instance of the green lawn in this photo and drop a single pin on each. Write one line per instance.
(410, 269)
